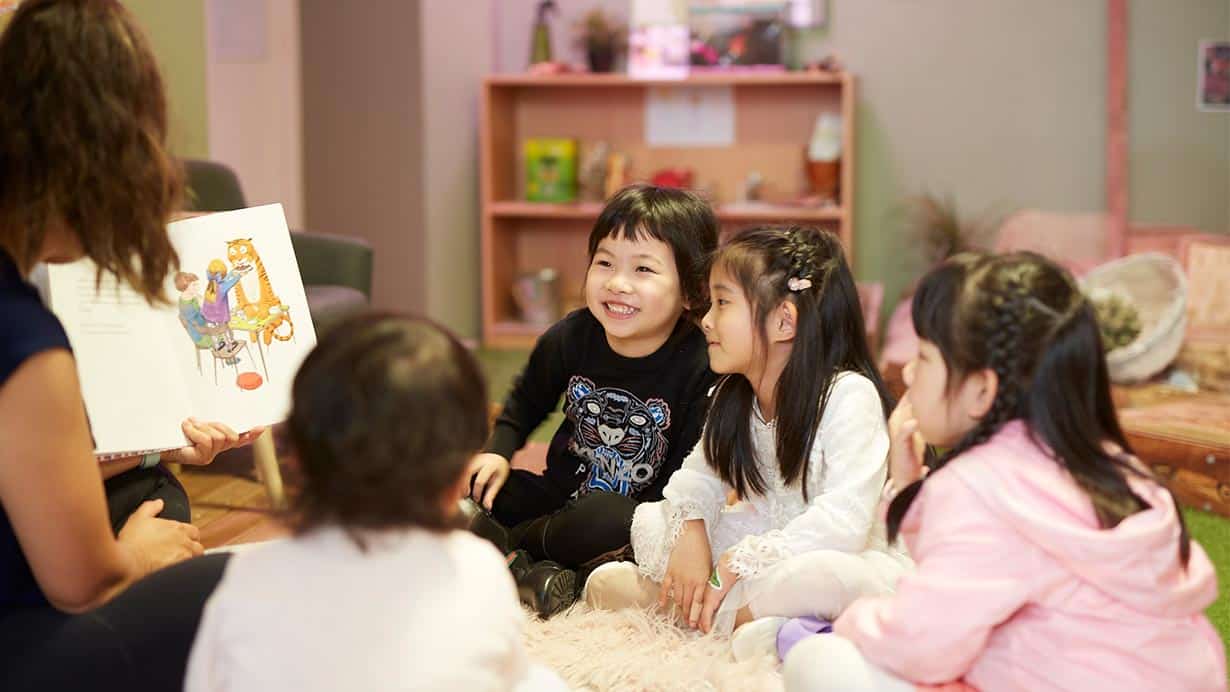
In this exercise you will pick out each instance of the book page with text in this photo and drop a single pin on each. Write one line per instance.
(134, 397)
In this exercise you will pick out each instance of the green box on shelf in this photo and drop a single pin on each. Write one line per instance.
(551, 170)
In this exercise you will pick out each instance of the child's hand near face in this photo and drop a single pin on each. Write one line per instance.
(907, 447)
(687, 572)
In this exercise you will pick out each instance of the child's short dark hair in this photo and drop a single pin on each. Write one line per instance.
(83, 128)
(387, 413)
(676, 217)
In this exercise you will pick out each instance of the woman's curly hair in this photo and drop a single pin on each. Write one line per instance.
(83, 130)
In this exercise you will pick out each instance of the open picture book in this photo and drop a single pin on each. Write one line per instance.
(225, 348)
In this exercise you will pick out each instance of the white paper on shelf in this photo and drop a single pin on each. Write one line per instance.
(690, 116)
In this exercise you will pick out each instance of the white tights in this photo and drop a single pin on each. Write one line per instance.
(829, 663)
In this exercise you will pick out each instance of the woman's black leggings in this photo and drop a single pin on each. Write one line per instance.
(126, 492)
(140, 640)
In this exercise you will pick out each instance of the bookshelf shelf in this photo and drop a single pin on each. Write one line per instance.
(774, 116)
(590, 210)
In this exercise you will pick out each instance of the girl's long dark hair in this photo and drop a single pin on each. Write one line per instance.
(1024, 317)
(830, 337)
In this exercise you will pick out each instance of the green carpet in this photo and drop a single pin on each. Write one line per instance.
(1210, 530)
(1213, 534)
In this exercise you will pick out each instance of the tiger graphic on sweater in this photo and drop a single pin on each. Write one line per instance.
(620, 437)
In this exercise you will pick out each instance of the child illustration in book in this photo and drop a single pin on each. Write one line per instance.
(189, 287)
(216, 307)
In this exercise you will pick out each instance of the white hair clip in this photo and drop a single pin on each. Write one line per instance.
(795, 284)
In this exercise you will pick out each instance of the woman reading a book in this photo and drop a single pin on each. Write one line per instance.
(84, 172)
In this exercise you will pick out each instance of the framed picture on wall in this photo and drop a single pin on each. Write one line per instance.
(1213, 76)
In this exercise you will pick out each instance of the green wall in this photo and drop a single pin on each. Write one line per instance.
(1003, 105)
(999, 103)
(176, 29)
(1179, 168)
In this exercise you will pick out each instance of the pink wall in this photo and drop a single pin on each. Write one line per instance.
(254, 98)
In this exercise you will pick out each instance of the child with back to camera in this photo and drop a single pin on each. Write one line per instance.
(379, 589)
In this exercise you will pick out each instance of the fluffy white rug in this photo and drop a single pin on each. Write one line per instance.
(641, 650)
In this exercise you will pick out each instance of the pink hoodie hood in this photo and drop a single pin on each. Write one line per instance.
(1136, 562)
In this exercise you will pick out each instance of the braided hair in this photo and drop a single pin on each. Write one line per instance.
(1024, 318)
(807, 266)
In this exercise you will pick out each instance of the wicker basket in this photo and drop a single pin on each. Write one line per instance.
(1155, 284)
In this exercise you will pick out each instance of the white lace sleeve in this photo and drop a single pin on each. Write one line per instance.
(846, 473)
(695, 491)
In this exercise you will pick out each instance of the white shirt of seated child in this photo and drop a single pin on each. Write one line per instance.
(416, 610)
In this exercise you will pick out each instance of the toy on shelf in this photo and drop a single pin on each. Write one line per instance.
(540, 36)
(537, 296)
(680, 177)
(829, 63)
(824, 158)
(753, 187)
(592, 176)
(616, 173)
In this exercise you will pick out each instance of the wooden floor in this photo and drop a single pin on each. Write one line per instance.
(229, 509)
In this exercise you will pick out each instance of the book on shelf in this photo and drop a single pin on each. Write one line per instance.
(550, 169)
(225, 348)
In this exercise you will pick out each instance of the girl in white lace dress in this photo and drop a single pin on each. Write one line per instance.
(796, 430)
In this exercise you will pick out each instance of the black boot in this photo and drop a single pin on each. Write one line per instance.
(519, 562)
(480, 522)
(547, 587)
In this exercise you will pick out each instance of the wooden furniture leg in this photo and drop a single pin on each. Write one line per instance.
(266, 459)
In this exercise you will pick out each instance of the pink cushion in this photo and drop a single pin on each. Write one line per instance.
(900, 341)
(1077, 241)
(1205, 257)
(870, 298)
(532, 457)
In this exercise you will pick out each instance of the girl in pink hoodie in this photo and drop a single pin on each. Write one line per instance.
(1048, 557)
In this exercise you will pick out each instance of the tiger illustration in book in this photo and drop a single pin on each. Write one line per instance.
(267, 311)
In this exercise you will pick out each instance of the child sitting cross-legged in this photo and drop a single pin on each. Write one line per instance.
(796, 430)
(1049, 558)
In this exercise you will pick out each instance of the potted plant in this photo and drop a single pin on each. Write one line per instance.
(936, 231)
(603, 37)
